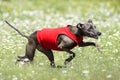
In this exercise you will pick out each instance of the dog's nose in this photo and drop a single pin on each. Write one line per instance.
(98, 33)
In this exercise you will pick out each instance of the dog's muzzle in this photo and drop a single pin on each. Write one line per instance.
(94, 35)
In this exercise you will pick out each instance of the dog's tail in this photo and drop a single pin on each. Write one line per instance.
(16, 30)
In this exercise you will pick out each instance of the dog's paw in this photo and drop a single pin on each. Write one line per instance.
(66, 62)
(98, 48)
(22, 59)
(52, 65)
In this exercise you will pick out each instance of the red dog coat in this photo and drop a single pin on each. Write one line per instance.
(48, 37)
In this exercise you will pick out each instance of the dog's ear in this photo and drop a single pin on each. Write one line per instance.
(90, 21)
(80, 25)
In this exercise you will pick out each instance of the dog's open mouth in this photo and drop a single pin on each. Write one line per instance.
(94, 36)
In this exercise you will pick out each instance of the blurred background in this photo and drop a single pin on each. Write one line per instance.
(31, 15)
(42, 12)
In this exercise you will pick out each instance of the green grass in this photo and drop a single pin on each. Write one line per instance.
(31, 15)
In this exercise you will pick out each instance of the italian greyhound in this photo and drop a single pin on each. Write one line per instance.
(60, 39)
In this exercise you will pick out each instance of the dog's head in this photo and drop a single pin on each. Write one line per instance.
(89, 29)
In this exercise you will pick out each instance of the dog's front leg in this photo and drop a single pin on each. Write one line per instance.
(65, 43)
(84, 44)
(72, 54)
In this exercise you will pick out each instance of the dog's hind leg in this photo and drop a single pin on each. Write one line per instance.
(49, 55)
(30, 49)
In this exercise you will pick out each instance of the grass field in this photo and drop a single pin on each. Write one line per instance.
(31, 15)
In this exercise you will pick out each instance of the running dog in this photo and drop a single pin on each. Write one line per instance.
(60, 39)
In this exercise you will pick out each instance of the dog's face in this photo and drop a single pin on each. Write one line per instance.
(89, 29)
